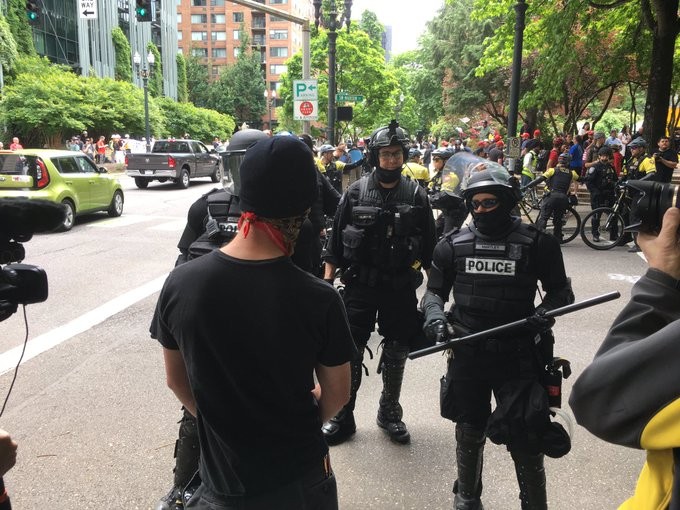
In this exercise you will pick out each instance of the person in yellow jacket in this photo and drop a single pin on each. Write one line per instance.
(338, 173)
(630, 393)
(414, 170)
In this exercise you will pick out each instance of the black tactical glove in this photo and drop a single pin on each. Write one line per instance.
(436, 331)
(539, 322)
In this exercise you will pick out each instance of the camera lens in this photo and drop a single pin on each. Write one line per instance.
(650, 200)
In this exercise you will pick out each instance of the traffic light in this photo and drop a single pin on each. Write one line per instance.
(143, 10)
(32, 12)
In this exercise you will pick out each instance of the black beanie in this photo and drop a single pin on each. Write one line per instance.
(278, 178)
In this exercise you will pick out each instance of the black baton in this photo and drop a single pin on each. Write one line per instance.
(587, 303)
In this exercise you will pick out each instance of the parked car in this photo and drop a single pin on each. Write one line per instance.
(176, 160)
(65, 177)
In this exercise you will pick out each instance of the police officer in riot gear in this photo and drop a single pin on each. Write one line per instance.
(334, 169)
(212, 221)
(493, 266)
(383, 234)
(453, 209)
(556, 201)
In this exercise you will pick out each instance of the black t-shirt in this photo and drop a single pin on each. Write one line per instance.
(663, 173)
(251, 333)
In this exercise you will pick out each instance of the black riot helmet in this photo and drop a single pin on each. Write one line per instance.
(489, 177)
(384, 137)
(443, 153)
(233, 156)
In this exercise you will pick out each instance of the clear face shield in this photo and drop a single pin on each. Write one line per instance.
(467, 167)
(231, 178)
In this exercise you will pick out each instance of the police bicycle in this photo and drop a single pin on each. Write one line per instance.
(603, 228)
(571, 219)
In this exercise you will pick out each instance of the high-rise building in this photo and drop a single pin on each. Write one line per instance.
(66, 34)
(211, 30)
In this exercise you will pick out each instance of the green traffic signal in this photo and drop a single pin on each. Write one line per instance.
(143, 10)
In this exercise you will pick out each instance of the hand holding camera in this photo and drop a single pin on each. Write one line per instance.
(663, 251)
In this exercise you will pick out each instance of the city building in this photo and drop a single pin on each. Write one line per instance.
(67, 34)
(211, 30)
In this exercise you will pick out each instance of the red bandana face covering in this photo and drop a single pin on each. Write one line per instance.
(283, 232)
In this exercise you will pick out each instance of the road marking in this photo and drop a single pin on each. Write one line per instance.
(170, 226)
(46, 341)
(623, 277)
(129, 219)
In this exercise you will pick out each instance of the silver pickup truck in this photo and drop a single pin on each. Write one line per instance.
(176, 160)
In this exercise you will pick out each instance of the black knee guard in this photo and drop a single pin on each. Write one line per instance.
(531, 480)
(469, 459)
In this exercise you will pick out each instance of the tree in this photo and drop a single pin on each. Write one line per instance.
(361, 71)
(374, 29)
(240, 88)
(121, 46)
(182, 92)
(200, 123)
(198, 81)
(19, 27)
(8, 47)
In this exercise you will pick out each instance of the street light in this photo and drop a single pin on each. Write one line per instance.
(397, 109)
(332, 26)
(270, 96)
(144, 73)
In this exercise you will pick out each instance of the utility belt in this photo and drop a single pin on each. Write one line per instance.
(498, 345)
(374, 277)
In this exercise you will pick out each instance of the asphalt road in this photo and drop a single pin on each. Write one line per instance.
(96, 424)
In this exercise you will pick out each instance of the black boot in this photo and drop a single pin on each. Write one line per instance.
(342, 426)
(531, 479)
(390, 412)
(187, 452)
(469, 458)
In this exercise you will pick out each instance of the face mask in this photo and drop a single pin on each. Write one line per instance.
(493, 222)
(388, 176)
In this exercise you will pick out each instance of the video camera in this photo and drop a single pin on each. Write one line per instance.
(20, 218)
(650, 200)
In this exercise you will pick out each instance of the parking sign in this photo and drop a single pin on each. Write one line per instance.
(305, 90)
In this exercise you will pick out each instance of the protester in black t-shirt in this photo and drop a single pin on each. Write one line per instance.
(244, 331)
(666, 159)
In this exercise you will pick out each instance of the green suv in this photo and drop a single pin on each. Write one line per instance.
(65, 177)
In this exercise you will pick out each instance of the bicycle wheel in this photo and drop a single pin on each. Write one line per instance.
(609, 233)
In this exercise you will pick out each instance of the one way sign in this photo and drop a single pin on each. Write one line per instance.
(88, 9)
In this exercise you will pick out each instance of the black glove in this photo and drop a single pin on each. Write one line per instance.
(539, 322)
(436, 331)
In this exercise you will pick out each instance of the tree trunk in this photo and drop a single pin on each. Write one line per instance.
(661, 72)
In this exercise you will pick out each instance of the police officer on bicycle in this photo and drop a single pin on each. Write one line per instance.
(556, 199)
(452, 207)
(383, 234)
(493, 266)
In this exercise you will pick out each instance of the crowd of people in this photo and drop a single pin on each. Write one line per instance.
(263, 443)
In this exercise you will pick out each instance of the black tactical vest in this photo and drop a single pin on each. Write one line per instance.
(385, 233)
(561, 180)
(495, 278)
(222, 215)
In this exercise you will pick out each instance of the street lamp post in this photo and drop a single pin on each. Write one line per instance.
(332, 26)
(144, 73)
(270, 97)
(399, 107)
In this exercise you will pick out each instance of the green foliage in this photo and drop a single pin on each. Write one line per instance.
(182, 92)
(156, 78)
(198, 81)
(614, 118)
(361, 70)
(239, 90)
(19, 27)
(123, 68)
(8, 47)
(200, 123)
(374, 29)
